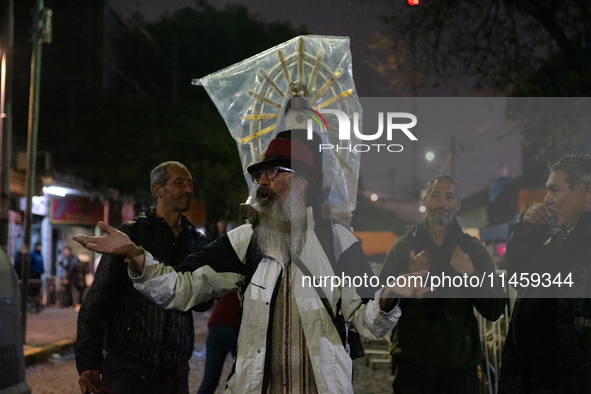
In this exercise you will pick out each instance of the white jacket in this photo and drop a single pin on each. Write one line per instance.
(199, 281)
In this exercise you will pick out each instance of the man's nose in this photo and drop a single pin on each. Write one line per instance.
(263, 180)
(548, 199)
(441, 202)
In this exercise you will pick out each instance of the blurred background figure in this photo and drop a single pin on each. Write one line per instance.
(18, 260)
(35, 272)
(77, 278)
(222, 337)
(36, 263)
(62, 273)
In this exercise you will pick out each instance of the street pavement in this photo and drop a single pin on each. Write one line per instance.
(51, 335)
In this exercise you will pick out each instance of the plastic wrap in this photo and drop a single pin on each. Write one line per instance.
(252, 96)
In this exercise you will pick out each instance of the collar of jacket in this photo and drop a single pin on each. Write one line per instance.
(452, 236)
(149, 217)
(584, 223)
(581, 229)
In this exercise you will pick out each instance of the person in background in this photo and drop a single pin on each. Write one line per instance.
(18, 260)
(37, 268)
(222, 337)
(63, 266)
(548, 346)
(436, 345)
(36, 271)
(77, 280)
(289, 341)
(148, 348)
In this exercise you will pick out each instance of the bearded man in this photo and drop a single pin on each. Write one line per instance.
(436, 345)
(288, 340)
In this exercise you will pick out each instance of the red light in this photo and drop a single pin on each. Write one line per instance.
(413, 2)
(501, 249)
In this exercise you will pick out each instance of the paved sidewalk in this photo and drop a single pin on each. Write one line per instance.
(51, 331)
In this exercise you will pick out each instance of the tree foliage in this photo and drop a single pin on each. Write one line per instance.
(148, 111)
(550, 128)
(512, 47)
(508, 47)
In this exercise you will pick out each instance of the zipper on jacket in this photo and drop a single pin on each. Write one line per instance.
(267, 365)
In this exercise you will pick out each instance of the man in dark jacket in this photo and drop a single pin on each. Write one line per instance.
(548, 347)
(37, 266)
(76, 277)
(63, 268)
(147, 347)
(436, 344)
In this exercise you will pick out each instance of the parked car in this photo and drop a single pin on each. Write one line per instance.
(12, 360)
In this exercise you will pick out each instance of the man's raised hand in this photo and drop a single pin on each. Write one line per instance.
(537, 216)
(419, 262)
(461, 262)
(114, 242)
(407, 286)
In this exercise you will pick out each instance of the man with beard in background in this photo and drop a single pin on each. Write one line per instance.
(436, 344)
(288, 341)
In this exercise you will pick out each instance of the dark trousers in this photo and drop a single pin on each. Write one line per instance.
(132, 377)
(220, 341)
(78, 294)
(408, 380)
(67, 295)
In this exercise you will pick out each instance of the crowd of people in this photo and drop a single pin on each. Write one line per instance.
(135, 323)
(70, 284)
(286, 338)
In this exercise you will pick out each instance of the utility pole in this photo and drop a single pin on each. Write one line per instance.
(41, 34)
(6, 124)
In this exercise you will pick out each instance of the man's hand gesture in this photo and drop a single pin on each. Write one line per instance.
(537, 216)
(461, 262)
(115, 242)
(419, 262)
(413, 286)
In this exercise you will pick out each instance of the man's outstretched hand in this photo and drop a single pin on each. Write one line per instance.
(405, 286)
(114, 242)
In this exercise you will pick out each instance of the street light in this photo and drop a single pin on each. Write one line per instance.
(374, 197)
(430, 156)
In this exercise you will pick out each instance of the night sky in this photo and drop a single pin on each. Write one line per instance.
(390, 175)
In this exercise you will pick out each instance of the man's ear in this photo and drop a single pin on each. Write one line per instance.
(588, 193)
(305, 182)
(459, 205)
(156, 190)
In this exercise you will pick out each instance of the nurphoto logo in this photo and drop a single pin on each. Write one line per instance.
(344, 130)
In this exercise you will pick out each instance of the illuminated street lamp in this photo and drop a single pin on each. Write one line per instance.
(430, 156)
(374, 197)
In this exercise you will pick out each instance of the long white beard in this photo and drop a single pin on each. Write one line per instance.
(279, 231)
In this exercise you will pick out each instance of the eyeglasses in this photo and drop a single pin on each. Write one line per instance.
(271, 173)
